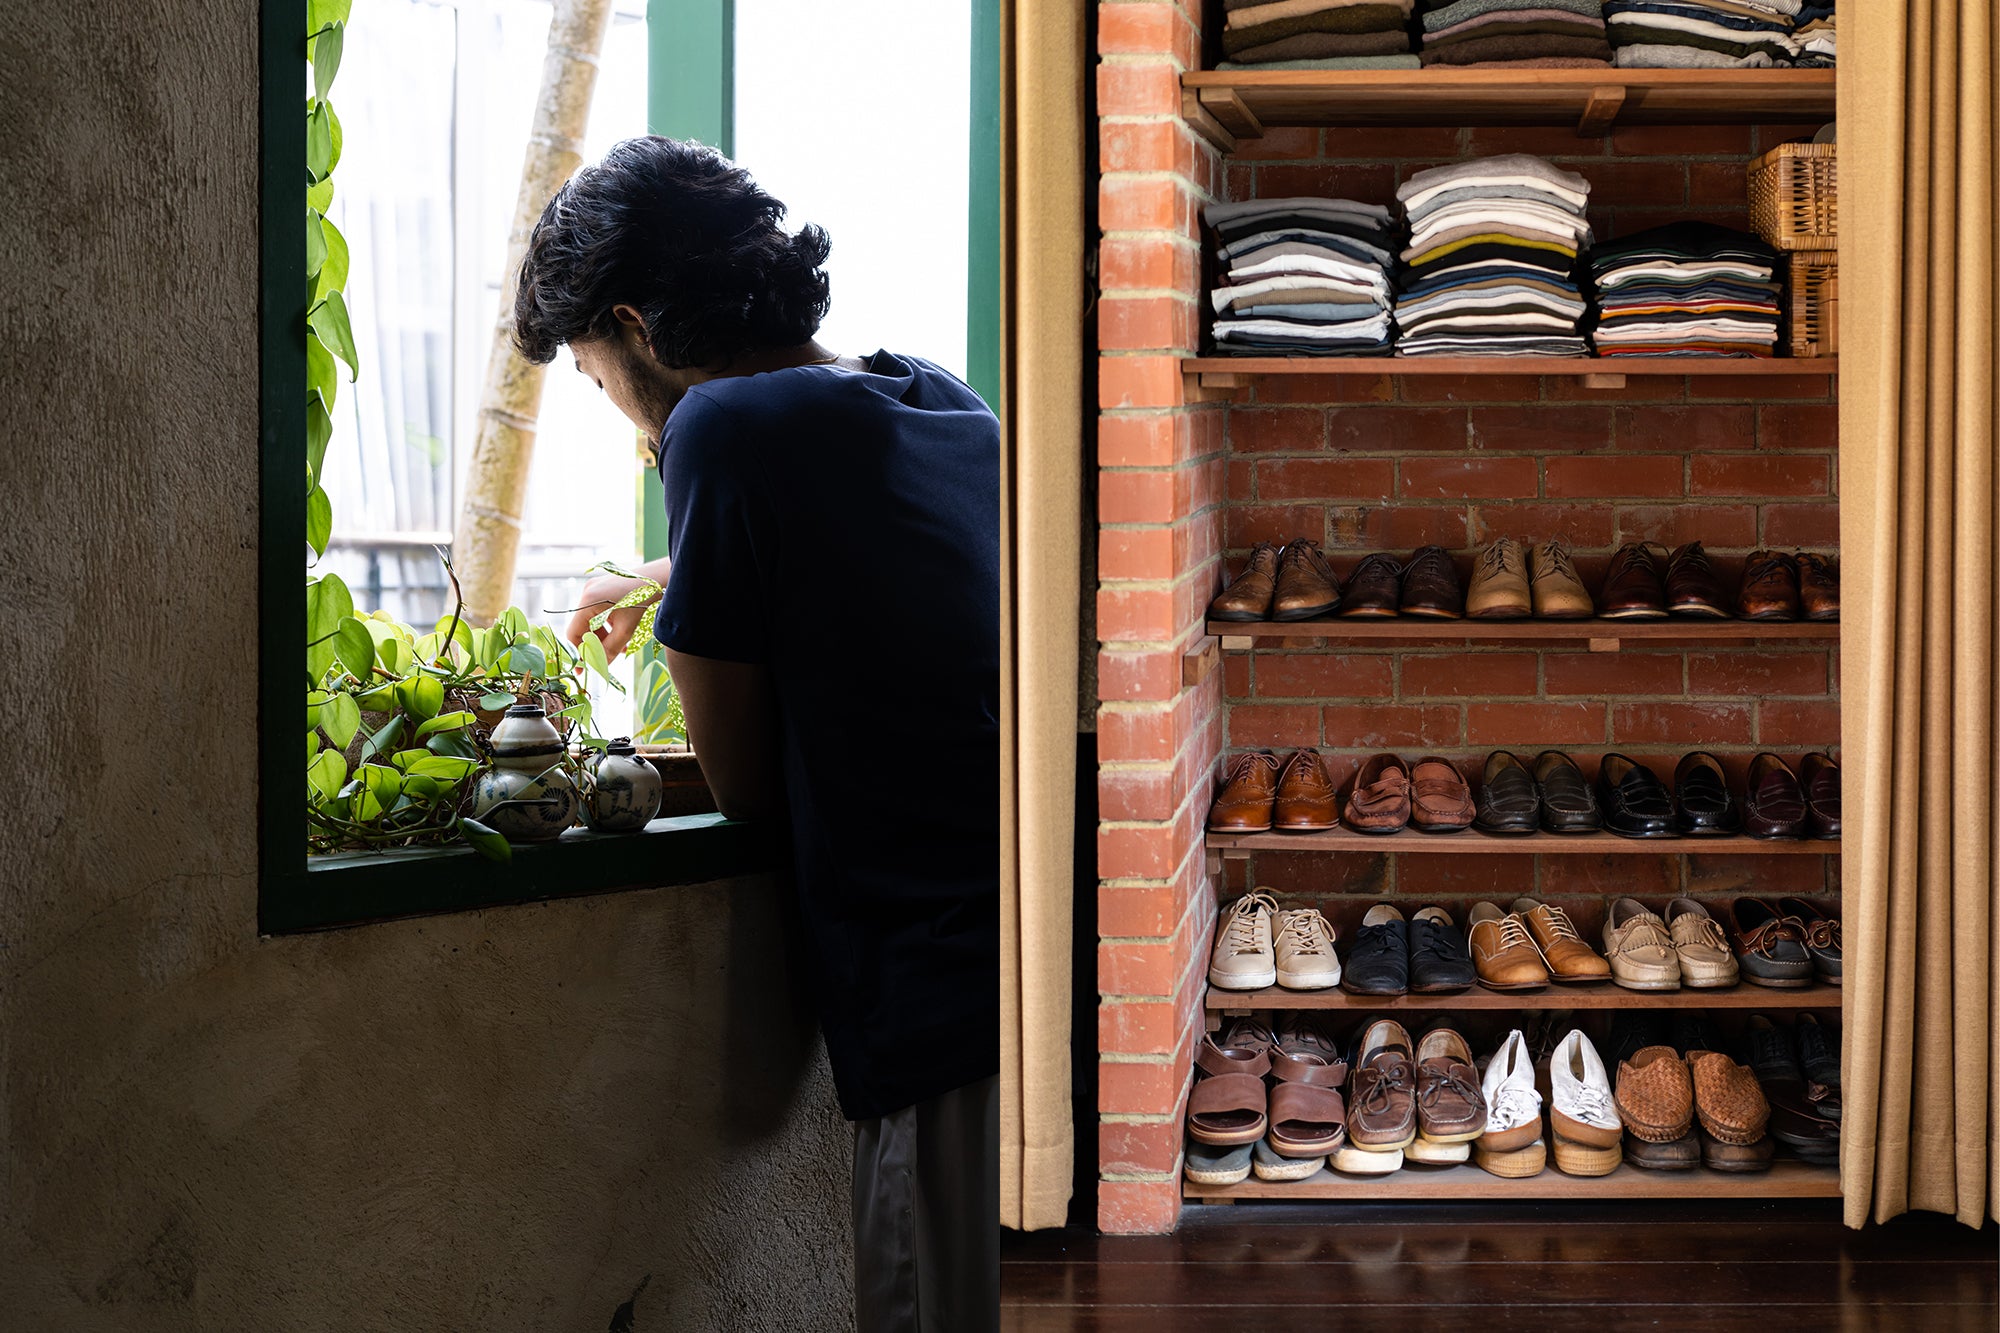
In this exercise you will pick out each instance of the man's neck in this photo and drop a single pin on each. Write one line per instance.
(782, 358)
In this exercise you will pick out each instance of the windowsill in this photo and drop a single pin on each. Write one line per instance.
(356, 888)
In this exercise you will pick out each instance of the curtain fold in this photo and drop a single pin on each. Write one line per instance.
(1042, 416)
(1918, 501)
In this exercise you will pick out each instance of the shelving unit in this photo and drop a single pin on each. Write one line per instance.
(1600, 636)
(1603, 995)
(1222, 376)
(1474, 843)
(1785, 1180)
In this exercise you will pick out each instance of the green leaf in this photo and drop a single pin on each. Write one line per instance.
(319, 140)
(455, 744)
(445, 722)
(329, 322)
(319, 195)
(326, 57)
(513, 623)
(447, 768)
(380, 699)
(402, 759)
(497, 700)
(319, 13)
(327, 773)
(321, 378)
(421, 697)
(484, 840)
(354, 649)
(319, 520)
(319, 430)
(341, 718)
(396, 656)
(327, 603)
(312, 746)
(334, 134)
(315, 245)
(592, 652)
(390, 733)
(333, 276)
(421, 789)
(526, 659)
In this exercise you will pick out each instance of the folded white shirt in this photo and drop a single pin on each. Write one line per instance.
(1371, 330)
(1223, 297)
(1363, 275)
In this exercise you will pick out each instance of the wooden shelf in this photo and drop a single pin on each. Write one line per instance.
(1220, 376)
(1234, 846)
(1785, 1180)
(1228, 106)
(1600, 636)
(1601, 996)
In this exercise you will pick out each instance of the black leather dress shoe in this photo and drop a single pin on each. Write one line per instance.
(1635, 802)
(1378, 962)
(1440, 959)
(1567, 803)
(1507, 802)
(1703, 807)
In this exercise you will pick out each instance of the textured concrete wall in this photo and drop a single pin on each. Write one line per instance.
(501, 1120)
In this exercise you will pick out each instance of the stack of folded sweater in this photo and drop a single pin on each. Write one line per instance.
(1491, 260)
(1303, 275)
(1701, 34)
(1686, 289)
(1812, 29)
(1529, 34)
(1260, 32)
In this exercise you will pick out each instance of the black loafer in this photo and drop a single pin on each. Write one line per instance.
(1440, 960)
(1378, 962)
(1507, 803)
(1635, 802)
(1567, 804)
(1703, 807)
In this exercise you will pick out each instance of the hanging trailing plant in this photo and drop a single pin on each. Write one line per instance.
(329, 334)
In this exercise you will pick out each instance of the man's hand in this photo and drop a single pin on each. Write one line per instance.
(604, 591)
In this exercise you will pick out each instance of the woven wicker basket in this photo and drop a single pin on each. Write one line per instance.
(1795, 196)
(1814, 294)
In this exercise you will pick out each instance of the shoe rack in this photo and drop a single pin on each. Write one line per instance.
(1234, 111)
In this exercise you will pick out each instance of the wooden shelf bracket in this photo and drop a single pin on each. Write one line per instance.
(1606, 101)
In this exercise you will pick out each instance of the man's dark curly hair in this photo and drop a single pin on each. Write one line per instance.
(682, 234)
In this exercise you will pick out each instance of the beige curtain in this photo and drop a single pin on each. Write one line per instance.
(1041, 481)
(1917, 150)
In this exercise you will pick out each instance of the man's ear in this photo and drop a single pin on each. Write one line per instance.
(629, 317)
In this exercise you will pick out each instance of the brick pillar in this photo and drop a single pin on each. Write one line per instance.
(1161, 488)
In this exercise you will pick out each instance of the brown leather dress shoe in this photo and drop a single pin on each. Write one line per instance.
(1249, 790)
(1693, 588)
(1502, 953)
(1306, 586)
(1819, 587)
(1430, 586)
(1248, 596)
(1374, 587)
(1820, 776)
(1633, 589)
(1499, 589)
(1307, 801)
(1380, 799)
(1770, 587)
(1558, 593)
(1440, 799)
(1568, 957)
(1776, 807)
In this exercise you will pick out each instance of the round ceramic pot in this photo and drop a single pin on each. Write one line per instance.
(625, 790)
(526, 796)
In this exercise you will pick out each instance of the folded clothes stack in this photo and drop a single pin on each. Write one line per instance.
(1701, 34)
(1491, 259)
(1686, 289)
(1812, 29)
(1523, 34)
(1327, 33)
(1303, 275)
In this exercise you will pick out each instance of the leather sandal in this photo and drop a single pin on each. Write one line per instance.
(1228, 1104)
(1306, 1120)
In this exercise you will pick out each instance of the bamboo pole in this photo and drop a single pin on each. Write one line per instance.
(496, 483)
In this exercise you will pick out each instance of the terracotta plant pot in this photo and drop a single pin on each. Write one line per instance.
(683, 790)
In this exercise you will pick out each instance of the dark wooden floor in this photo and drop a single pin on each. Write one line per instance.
(1479, 1268)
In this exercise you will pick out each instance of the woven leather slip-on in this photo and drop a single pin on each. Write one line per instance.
(1655, 1096)
(1727, 1098)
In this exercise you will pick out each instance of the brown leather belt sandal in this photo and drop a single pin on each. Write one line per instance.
(1228, 1103)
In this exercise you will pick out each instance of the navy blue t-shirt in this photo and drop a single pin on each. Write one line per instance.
(842, 527)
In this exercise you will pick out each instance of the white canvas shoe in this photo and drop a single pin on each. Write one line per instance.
(1513, 1107)
(1304, 948)
(1243, 957)
(1580, 1104)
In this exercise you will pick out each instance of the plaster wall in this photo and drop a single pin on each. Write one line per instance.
(498, 1120)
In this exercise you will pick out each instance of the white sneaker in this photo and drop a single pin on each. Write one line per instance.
(1580, 1104)
(1243, 957)
(1513, 1107)
(1306, 960)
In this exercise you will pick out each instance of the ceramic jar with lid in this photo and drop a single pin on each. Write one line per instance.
(625, 790)
(526, 796)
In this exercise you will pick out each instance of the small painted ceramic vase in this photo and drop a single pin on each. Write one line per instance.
(625, 791)
(526, 796)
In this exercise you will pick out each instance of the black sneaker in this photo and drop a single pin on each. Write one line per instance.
(1439, 958)
(1378, 962)
(1819, 1058)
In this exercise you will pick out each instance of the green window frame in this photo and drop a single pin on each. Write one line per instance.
(691, 94)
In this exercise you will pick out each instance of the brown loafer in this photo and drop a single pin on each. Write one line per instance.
(1776, 807)
(1440, 799)
(1430, 586)
(1380, 799)
(1633, 587)
(1248, 596)
(1450, 1106)
(1819, 587)
(1820, 776)
(1307, 800)
(1770, 588)
(1306, 586)
(1374, 587)
(1693, 587)
(1728, 1100)
(1655, 1095)
(1382, 1114)
(1249, 793)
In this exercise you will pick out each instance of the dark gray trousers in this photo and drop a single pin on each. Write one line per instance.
(927, 1215)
